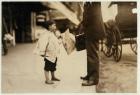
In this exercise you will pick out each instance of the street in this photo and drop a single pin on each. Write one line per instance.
(119, 77)
(22, 72)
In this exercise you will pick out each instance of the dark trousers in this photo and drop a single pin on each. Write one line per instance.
(50, 66)
(92, 60)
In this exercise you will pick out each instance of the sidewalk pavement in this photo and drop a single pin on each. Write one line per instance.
(22, 72)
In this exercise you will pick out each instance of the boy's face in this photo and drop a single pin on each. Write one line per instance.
(52, 27)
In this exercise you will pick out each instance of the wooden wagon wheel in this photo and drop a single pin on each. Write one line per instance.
(107, 42)
(117, 47)
(107, 47)
(133, 45)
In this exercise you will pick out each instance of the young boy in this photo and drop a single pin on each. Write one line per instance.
(48, 45)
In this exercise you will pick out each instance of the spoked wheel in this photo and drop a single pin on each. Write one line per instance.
(133, 45)
(109, 39)
(117, 47)
(107, 47)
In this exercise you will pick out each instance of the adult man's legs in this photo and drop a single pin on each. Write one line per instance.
(92, 63)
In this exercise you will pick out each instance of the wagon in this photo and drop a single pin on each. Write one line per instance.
(122, 30)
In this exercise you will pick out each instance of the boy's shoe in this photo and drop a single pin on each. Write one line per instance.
(55, 79)
(49, 82)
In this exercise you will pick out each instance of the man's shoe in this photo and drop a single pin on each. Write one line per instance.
(55, 79)
(89, 83)
(49, 82)
(84, 78)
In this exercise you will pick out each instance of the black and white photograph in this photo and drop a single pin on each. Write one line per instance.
(69, 47)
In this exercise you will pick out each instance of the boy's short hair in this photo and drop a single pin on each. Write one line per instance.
(48, 23)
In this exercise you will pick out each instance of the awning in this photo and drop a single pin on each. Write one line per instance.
(64, 10)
